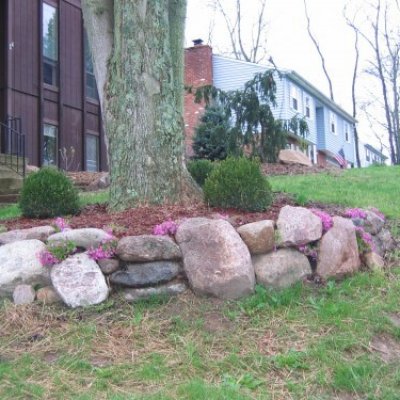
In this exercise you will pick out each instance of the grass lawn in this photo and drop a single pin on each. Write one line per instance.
(339, 341)
(374, 186)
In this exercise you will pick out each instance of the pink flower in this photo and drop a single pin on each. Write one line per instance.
(326, 219)
(166, 228)
(355, 213)
(106, 249)
(61, 224)
(47, 259)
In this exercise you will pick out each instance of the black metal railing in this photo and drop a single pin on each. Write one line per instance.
(13, 145)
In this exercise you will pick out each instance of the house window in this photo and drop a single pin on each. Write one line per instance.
(50, 44)
(308, 107)
(91, 86)
(92, 153)
(333, 123)
(367, 155)
(294, 95)
(347, 132)
(50, 144)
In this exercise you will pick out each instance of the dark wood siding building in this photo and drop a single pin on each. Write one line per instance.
(47, 80)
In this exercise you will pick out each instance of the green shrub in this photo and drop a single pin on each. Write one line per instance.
(48, 193)
(238, 183)
(200, 170)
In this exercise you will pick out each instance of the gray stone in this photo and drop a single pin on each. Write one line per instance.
(19, 263)
(146, 274)
(383, 242)
(108, 265)
(373, 223)
(39, 233)
(85, 237)
(23, 294)
(170, 289)
(147, 248)
(293, 157)
(281, 269)
(258, 236)
(298, 226)
(215, 259)
(338, 250)
(79, 281)
(47, 295)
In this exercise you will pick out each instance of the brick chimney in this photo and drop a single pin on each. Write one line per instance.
(198, 72)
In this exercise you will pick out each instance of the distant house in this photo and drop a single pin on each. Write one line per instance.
(369, 155)
(331, 133)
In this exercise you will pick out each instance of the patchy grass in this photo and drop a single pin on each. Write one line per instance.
(13, 211)
(372, 186)
(300, 343)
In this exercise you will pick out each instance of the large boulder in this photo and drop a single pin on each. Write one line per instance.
(84, 237)
(287, 156)
(146, 274)
(373, 222)
(169, 289)
(258, 236)
(147, 248)
(39, 233)
(338, 250)
(19, 263)
(298, 226)
(215, 259)
(281, 269)
(79, 281)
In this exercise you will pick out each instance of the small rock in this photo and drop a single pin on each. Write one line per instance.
(85, 237)
(258, 236)
(108, 265)
(215, 259)
(23, 294)
(39, 233)
(170, 289)
(19, 263)
(282, 268)
(147, 248)
(374, 261)
(298, 226)
(383, 242)
(373, 223)
(338, 250)
(47, 295)
(79, 281)
(146, 274)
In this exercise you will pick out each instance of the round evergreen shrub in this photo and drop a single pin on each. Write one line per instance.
(200, 170)
(48, 193)
(238, 183)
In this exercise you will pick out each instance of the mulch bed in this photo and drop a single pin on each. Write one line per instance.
(142, 220)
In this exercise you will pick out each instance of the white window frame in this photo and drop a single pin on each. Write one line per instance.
(294, 96)
(347, 132)
(333, 123)
(307, 106)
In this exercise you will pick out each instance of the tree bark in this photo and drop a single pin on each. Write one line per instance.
(143, 103)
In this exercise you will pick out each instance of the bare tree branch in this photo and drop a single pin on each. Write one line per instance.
(317, 46)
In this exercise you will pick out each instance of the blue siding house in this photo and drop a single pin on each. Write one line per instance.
(331, 133)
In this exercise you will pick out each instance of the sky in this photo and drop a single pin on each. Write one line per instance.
(291, 47)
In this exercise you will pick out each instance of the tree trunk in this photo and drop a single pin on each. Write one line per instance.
(144, 104)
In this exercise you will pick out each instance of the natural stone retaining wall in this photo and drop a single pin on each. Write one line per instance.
(206, 255)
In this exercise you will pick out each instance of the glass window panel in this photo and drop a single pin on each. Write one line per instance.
(92, 153)
(50, 44)
(91, 87)
(50, 133)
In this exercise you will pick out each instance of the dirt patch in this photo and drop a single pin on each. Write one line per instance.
(394, 318)
(216, 323)
(387, 348)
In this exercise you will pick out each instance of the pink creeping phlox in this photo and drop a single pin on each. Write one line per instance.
(47, 259)
(326, 219)
(364, 240)
(355, 213)
(166, 228)
(106, 249)
(309, 251)
(61, 224)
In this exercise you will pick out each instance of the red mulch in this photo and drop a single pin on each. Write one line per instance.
(141, 220)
